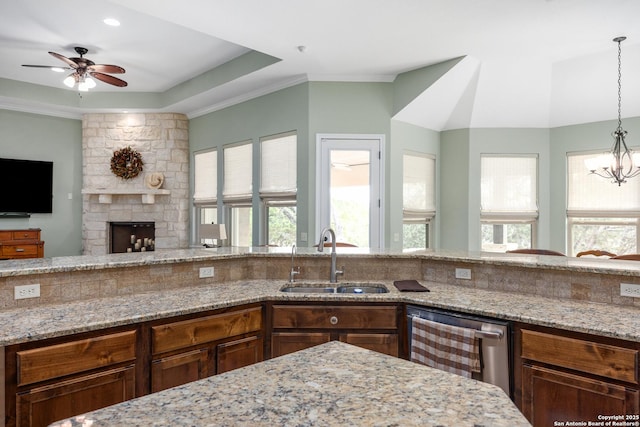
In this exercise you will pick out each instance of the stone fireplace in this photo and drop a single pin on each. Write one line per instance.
(162, 139)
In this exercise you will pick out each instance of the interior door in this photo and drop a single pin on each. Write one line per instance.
(349, 188)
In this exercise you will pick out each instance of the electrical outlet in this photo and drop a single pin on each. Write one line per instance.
(26, 291)
(303, 236)
(629, 290)
(206, 272)
(463, 273)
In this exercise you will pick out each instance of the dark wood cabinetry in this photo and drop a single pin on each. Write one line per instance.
(61, 377)
(19, 244)
(576, 378)
(296, 327)
(189, 350)
(61, 380)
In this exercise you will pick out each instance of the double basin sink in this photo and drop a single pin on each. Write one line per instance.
(337, 288)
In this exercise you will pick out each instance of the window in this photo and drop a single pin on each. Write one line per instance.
(600, 214)
(509, 201)
(206, 188)
(418, 199)
(278, 188)
(237, 192)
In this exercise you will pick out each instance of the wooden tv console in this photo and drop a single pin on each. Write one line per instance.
(20, 244)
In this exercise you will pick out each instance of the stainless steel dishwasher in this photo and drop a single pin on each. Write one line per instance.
(495, 342)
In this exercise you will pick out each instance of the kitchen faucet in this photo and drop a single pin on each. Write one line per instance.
(293, 272)
(333, 272)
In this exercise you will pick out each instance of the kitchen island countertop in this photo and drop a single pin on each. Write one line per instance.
(334, 384)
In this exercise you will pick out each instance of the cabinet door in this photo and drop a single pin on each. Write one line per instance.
(239, 353)
(550, 395)
(288, 342)
(382, 343)
(179, 369)
(41, 406)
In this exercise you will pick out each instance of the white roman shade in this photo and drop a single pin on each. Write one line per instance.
(238, 172)
(509, 186)
(206, 177)
(418, 186)
(589, 195)
(278, 165)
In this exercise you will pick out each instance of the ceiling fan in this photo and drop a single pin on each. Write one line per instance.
(83, 66)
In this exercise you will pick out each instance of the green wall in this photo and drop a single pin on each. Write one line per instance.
(38, 137)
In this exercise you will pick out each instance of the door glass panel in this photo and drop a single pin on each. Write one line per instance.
(349, 195)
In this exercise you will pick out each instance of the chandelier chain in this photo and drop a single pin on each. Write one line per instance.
(619, 85)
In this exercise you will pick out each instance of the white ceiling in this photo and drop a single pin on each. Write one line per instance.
(529, 63)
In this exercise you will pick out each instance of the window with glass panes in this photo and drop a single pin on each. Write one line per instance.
(205, 190)
(237, 192)
(418, 199)
(278, 188)
(600, 214)
(508, 201)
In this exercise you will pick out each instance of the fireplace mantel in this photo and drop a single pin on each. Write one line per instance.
(105, 195)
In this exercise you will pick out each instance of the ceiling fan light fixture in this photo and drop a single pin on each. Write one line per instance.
(89, 82)
(70, 81)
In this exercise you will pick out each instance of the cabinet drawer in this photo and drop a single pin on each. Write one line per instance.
(26, 235)
(6, 235)
(599, 359)
(54, 361)
(187, 333)
(19, 250)
(334, 317)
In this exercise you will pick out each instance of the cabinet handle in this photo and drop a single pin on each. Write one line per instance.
(333, 320)
(19, 249)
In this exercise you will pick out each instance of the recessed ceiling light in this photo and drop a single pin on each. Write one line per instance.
(57, 69)
(112, 22)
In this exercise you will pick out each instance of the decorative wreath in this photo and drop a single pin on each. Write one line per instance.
(126, 163)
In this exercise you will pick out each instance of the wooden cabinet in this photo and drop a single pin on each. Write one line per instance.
(61, 380)
(296, 327)
(18, 244)
(61, 377)
(193, 349)
(576, 378)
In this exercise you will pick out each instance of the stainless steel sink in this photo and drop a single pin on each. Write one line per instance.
(308, 289)
(362, 289)
(342, 288)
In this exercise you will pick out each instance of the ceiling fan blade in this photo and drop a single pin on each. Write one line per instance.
(109, 79)
(47, 66)
(64, 59)
(106, 68)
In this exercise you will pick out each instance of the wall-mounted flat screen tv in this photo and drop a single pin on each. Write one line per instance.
(26, 186)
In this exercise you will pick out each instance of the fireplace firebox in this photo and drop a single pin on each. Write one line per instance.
(131, 237)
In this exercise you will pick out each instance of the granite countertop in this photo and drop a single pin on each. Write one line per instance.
(334, 384)
(10, 268)
(18, 325)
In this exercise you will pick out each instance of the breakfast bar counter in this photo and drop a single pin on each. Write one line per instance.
(330, 384)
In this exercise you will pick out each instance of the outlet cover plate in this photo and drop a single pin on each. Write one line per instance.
(26, 291)
(463, 273)
(206, 272)
(629, 290)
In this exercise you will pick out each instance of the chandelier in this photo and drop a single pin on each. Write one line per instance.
(620, 163)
